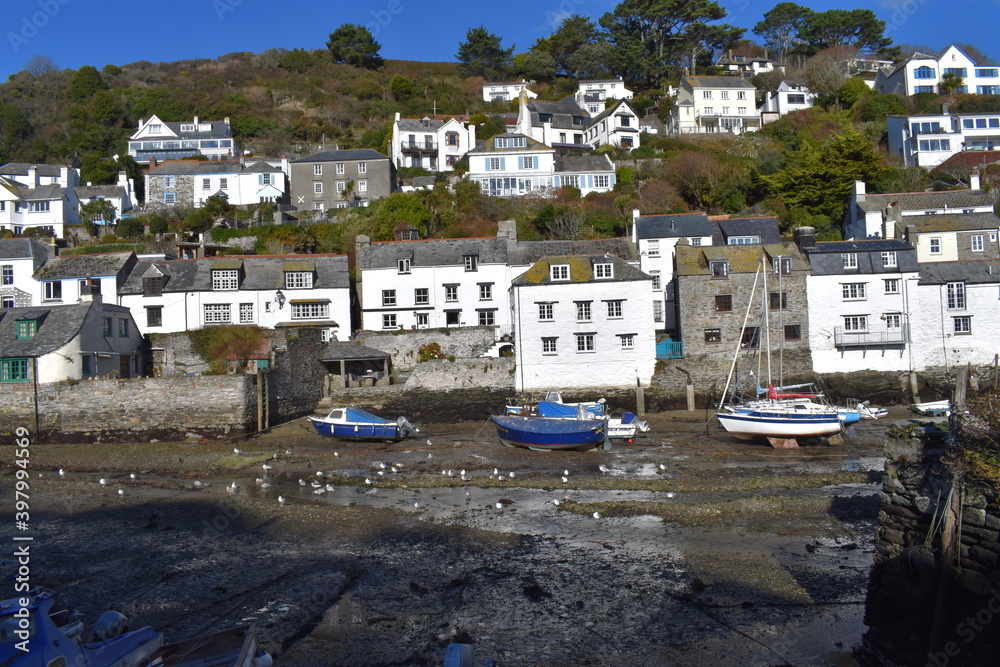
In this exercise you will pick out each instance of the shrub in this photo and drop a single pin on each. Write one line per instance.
(157, 225)
(217, 344)
(429, 351)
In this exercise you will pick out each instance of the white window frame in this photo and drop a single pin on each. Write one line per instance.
(850, 260)
(955, 296)
(389, 321)
(559, 272)
(628, 341)
(889, 259)
(471, 262)
(962, 325)
(421, 296)
(317, 187)
(246, 313)
(388, 297)
(977, 243)
(891, 285)
(318, 170)
(604, 271)
(225, 279)
(545, 312)
(549, 345)
(583, 311)
(217, 313)
(450, 293)
(856, 323)
(934, 245)
(615, 309)
(362, 167)
(403, 265)
(310, 310)
(854, 291)
(362, 185)
(340, 168)
(585, 343)
(486, 291)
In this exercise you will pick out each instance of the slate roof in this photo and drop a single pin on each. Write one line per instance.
(218, 128)
(432, 252)
(42, 192)
(612, 109)
(58, 325)
(489, 146)
(344, 156)
(258, 272)
(588, 163)
(969, 160)
(581, 270)
(912, 201)
(693, 260)
(86, 266)
(417, 125)
(947, 222)
(209, 167)
(562, 113)
(529, 252)
(867, 245)
(973, 271)
(718, 82)
(826, 260)
(673, 225)
(21, 169)
(350, 351)
(22, 249)
(764, 227)
(96, 191)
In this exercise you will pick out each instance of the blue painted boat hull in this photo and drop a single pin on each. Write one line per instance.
(549, 434)
(349, 423)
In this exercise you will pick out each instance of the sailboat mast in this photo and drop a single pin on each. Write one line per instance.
(781, 327)
(746, 317)
(767, 322)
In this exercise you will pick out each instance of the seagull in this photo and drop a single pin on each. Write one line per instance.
(512, 474)
(336, 453)
(319, 491)
(429, 444)
(103, 482)
(565, 479)
(382, 466)
(393, 469)
(663, 466)
(319, 474)
(233, 488)
(416, 505)
(131, 476)
(671, 494)
(198, 484)
(429, 455)
(315, 484)
(556, 502)
(281, 500)
(302, 482)
(368, 480)
(597, 515)
(463, 472)
(381, 473)
(237, 451)
(61, 473)
(329, 487)
(288, 452)
(468, 494)
(499, 506)
(265, 485)
(266, 467)
(496, 472)
(121, 492)
(259, 480)
(603, 468)
(566, 473)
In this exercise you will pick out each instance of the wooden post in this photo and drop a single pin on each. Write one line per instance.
(946, 566)
(640, 400)
(914, 391)
(260, 401)
(690, 397)
(961, 385)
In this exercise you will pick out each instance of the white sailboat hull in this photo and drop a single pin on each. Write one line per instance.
(779, 424)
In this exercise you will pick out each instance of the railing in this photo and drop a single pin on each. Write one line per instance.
(843, 338)
(670, 349)
(418, 146)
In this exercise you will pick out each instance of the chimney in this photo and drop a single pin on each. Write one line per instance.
(945, 108)
(64, 177)
(226, 120)
(974, 183)
(805, 237)
(90, 292)
(89, 184)
(910, 235)
(507, 229)
(859, 190)
(32, 176)
(195, 123)
(152, 163)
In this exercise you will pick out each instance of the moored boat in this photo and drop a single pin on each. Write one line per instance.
(351, 423)
(618, 428)
(933, 408)
(541, 433)
(779, 422)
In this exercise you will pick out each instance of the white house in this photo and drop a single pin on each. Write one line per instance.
(36, 196)
(19, 259)
(956, 306)
(188, 183)
(556, 124)
(156, 140)
(928, 140)
(860, 299)
(790, 96)
(592, 94)
(878, 216)
(508, 165)
(272, 291)
(67, 278)
(707, 104)
(76, 341)
(746, 62)
(121, 194)
(922, 73)
(582, 321)
(587, 173)
(617, 126)
(506, 91)
(435, 145)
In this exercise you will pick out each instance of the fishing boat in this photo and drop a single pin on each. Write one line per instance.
(350, 423)
(618, 428)
(540, 433)
(529, 407)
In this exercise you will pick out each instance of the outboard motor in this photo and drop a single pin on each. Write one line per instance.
(110, 624)
(405, 427)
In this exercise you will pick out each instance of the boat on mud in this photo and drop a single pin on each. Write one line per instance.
(544, 434)
(348, 423)
(932, 408)
(618, 428)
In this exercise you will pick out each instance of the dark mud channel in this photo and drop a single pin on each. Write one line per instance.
(706, 549)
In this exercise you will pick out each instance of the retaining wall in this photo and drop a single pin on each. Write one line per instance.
(403, 346)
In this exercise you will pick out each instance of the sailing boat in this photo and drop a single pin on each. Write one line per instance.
(781, 421)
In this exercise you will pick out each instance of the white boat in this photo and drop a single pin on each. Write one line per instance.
(933, 408)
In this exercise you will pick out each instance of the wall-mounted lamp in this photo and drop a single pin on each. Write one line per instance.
(280, 298)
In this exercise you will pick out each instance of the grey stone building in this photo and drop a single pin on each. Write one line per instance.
(341, 179)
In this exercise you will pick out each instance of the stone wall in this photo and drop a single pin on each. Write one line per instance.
(425, 406)
(924, 607)
(173, 355)
(442, 374)
(295, 381)
(403, 346)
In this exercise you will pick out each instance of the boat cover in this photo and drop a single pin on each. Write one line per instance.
(563, 411)
(359, 415)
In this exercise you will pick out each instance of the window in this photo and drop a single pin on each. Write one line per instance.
(123, 328)
(923, 72)
(856, 323)
(451, 138)
(548, 345)
(403, 265)
(471, 262)
(891, 285)
(319, 206)
(854, 291)
(653, 247)
(750, 338)
(935, 246)
(451, 292)
(389, 322)
(217, 313)
(169, 197)
(657, 311)
(154, 316)
(452, 317)
(655, 275)
(956, 296)
(224, 182)
(628, 341)
(340, 186)
(962, 325)
(793, 332)
(487, 318)
(779, 301)
(422, 320)
(559, 272)
(7, 274)
(957, 71)
(713, 335)
(719, 269)
(706, 94)
(977, 243)
(38, 206)
(265, 179)
(52, 290)
(26, 329)
(545, 312)
(889, 259)
(170, 181)
(695, 241)
(709, 111)
(310, 310)
(13, 370)
(298, 279)
(923, 89)
(782, 265)
(225, 279)
(602, 181)
(528, 162)
(741, 95)
(604, 271)
(156, 128)
(6, 302)
(362, 167)
(934, 144)
(486, 291)
(893, 320)
(362, 186)
(723, 303)
(318, 169)
(850, 260)
(246, 313)
(500, 142)
(492, 163)
(990, 73)
(585, 342)
(317, 187)
(582, 311)
(206, 184)
(614, 309)
(388, 297)
(796, 99)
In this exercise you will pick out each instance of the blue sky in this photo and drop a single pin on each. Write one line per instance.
(82, 32)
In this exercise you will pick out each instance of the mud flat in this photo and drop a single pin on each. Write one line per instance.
(707, 549)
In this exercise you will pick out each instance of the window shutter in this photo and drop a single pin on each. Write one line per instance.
(590, 181)
(612, 180)
(487, 164)
(503, 164)
(558, 181)
(260, 179)
(520, 162)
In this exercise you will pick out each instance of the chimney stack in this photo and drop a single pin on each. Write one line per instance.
(974, 182)
(805, 237)
(195, 123)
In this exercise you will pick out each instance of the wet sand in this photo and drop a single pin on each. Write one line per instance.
(707, 548)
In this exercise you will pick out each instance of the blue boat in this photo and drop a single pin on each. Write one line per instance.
(357, 424)
(540, 433)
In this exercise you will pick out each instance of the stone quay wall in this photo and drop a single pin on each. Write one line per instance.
(422, 406)
(924, 607)
(441, 374)
(404, 346)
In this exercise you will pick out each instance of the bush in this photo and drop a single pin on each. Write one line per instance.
(199, 221)
(429, 351)
(157, 225)
(130, 228)
(217, 344)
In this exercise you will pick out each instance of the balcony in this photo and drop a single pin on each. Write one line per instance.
(418, 147)
(883, 338)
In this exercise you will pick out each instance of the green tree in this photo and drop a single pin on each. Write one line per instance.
(854, 90)
(83, 83)
(950, 82)
(297, 60)
(353, 44)
(14, 129)
(536, 66)
(858, 28)
(401, 87)
(574, 32)
(482, 54)
(157, 225)
(95, 215)
(780, 26)
(198, 221)
(590, 61)
(130, 228)
(217, 206)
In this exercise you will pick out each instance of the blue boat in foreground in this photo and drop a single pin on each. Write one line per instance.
(540, 433)
(357, 424)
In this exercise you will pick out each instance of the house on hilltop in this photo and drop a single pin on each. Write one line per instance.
(436, 145)
(38, 196)
(708, 104)
(341, 179)
(157, 141)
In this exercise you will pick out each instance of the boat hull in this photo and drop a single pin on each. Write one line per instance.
(356, 431)
(772, 424)
(539, 433)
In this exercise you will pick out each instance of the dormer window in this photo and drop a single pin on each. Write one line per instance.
(152, 286)
(500, 142)
(559, 272)
(782, 265)
(298, 280)
(604, 270)
(27, 328)
(225, 279)
(471, 262)
(403, 265)
(518, 142)
(719, 268)
(155, 128)
(850, 260)
(545, 118)
(578, 120)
